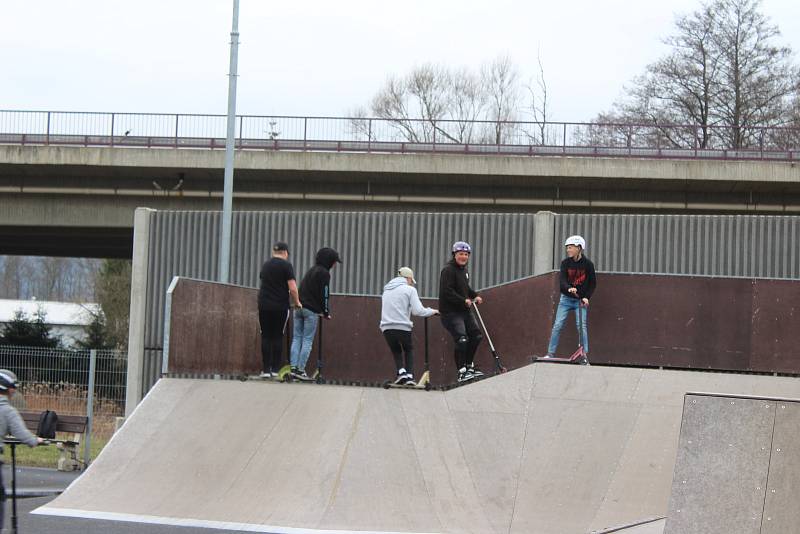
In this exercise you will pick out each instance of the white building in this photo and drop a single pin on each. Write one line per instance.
(65, 319)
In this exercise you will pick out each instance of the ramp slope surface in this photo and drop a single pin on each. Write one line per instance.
(548, 449)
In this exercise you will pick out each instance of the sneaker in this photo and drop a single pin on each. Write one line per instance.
(549, 356)
(464, 374)
(265, 374)
(410, 382)
(300, 374)
(474, 370)
(401, 380)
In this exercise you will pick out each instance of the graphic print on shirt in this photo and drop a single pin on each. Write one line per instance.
(576, 276)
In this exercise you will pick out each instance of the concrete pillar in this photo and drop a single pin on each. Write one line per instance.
(543, 244)
(136, 328)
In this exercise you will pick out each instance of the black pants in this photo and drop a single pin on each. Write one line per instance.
(466, 334)
(273, 325)
(400, 342)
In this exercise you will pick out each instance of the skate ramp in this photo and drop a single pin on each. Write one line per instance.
(547, 449)
(737, 467)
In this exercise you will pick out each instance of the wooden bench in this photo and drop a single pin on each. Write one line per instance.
(71, 428)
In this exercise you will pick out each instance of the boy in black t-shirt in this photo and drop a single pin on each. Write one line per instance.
(577, 281)
(278, 290)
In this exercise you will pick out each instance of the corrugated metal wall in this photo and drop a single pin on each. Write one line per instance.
(706, 245)
(372, 246)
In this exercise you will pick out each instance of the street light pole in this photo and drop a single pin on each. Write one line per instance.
(227, 195)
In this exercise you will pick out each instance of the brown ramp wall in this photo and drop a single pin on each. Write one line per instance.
(670, 321)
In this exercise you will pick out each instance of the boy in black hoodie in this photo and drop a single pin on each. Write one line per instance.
(455, 300)
(314, 297)
(577, 281)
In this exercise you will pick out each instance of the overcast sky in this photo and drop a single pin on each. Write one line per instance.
(305, 57)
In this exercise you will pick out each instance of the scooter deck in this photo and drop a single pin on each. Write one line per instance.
(573, 361)
(291, 378)
(389, 384)
(424, 383)
(472, 380)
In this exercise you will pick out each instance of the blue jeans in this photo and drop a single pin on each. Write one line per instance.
(304, 327)
(564, 306)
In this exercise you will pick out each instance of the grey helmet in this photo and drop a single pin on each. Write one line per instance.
(8, 380)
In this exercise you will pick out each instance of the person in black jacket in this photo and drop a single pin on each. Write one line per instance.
(455, 300)
(314, 297)
(577, 281)
(278, 287)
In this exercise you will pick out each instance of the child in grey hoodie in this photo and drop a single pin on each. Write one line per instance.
(399, 302)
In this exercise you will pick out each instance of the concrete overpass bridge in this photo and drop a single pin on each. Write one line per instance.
(70, 187)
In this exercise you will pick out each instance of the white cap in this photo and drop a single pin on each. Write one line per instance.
(576, 240)
(406, 272)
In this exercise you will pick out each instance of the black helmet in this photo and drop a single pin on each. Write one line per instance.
(7, 380)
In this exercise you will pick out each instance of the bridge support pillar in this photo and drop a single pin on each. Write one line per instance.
(544, 234)
(139, 265)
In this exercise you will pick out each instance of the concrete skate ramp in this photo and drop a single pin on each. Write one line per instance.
(549, 449)
(737, 468)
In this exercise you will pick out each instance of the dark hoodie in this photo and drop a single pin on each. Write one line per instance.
(454, 288)
(579, 274)
(315, 286)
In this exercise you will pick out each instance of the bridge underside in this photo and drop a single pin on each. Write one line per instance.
(78, 242)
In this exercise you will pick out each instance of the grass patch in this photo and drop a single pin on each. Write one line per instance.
(48, 456)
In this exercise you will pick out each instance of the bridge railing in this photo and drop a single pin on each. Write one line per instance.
(363, 134)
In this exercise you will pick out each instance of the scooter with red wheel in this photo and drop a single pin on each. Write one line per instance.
(580, 356)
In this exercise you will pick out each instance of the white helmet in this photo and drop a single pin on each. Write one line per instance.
(576, 240)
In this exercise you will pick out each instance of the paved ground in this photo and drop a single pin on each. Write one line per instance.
(35, 481)
(37, 487)
(41, 524)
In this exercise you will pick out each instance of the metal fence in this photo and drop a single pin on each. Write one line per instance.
(702, 245)
(59, 380)
(359, 134)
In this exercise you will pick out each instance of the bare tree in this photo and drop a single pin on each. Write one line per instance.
(15, 272)
(757, 79)
(467, 104)
(538, 105)
(501, 82)
(433, 103)
(723, 70)
(415, 102)
(58, 279)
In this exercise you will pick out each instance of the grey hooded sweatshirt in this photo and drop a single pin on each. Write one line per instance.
(399, 302)
(11, 423)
